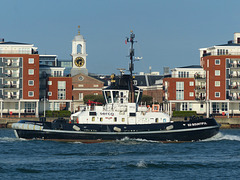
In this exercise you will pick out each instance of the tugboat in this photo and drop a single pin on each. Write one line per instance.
(121, 116)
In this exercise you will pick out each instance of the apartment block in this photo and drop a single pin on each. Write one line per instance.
(19, 79)
(216, 85)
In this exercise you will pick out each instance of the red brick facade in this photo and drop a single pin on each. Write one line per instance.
(26, 77)
(86, 85)
(171, 89)
(52, 87)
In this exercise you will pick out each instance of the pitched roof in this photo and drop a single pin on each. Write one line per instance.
(229, 44)
(14, 43)
(191, 66)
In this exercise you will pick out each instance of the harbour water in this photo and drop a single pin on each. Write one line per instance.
(215, 158)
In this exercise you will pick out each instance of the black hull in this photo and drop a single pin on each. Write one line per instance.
(180, 132)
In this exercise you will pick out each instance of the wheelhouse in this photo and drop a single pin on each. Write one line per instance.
(120, 95)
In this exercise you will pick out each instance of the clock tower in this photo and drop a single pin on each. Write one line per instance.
(79, 55)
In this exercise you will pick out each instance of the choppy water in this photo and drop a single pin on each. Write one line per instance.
(215, 158)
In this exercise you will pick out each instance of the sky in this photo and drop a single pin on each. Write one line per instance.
(169, 33)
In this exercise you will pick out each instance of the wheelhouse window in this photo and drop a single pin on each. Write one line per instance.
(115, 96)
(107, 96)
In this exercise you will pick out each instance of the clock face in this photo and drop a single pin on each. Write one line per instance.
(79, 62)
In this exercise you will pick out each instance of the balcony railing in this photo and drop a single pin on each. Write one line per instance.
(220, 54)
(10, 86)
(234, 76)
(233, 65)
(11, 64)
(234, 87)
(200, 87)
(198, 76)
(10, 97)
(200, 98)
(234, 98)
(10, 75)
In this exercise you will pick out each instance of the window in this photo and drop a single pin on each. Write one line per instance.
(208, 63)
(95, 94)
(217, 94)
(184, 107)
(30, 60)
(217, 72)
(191, 94)
(16, 106)
(183, 74)
(191, 83)
(179, 90)
(217, 83)
(30, 93)
(30, 82)
(80, 78)
(80, 85)
(57, 73)
(56, 106)
(61, 89)
(217, 61)
(30, 71)
(49, 93)
(190, 106)
(224, 106)
(80, 96)
(49, 83)
(29, 107)
(95, 85)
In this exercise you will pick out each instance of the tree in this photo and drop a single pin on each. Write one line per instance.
(95, 98)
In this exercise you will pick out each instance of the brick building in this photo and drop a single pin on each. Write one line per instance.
(215, 86)
(19, 79)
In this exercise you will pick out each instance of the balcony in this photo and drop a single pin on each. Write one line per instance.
(234, 89)
(11, 97)
(11, 75)
(11, 64)
(220, 54)
(234, 76)
(235, 65)
(200, 87)
(234, 98)
(200, 98)
(8, 86)
(199, 77)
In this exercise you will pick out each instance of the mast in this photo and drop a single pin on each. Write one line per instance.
(131, 65)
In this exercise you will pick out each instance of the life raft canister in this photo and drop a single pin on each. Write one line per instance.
(155, 107)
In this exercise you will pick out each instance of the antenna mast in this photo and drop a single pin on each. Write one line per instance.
(131, 65)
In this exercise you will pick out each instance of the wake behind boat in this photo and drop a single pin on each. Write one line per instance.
(121, 116)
